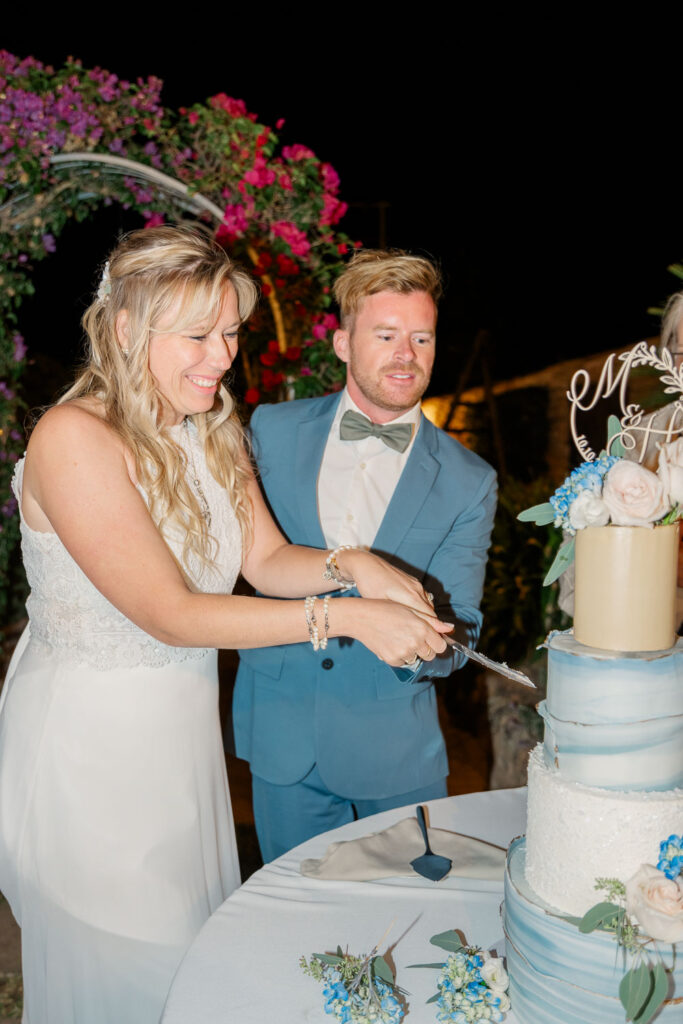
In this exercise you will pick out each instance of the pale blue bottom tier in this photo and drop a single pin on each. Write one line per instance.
(558, 975)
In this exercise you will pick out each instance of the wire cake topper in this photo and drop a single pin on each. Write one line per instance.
(637, 426)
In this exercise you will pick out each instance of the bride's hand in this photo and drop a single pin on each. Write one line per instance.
(376, 579)
(391, 630)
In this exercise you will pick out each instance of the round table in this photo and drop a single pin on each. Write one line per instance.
(243, 967)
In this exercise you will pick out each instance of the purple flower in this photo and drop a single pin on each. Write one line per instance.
(5, 391)
(49, 243)
(19, 348)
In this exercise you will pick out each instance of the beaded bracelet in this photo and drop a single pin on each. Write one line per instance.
(332, 570)
(317, 642)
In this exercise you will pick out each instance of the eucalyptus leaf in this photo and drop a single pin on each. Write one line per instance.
(449, 940)
(600, 915)
(539, 514)
(433, 999)
(438, 966)
(563, 559)
(635, 989)
(660, 990)
(676, 269)
(614, 428)
(340, 951)
(327, 958)
(382, 969)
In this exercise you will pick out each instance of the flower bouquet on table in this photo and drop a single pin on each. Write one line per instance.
(358, 989)
(472, 984)
(645, 911)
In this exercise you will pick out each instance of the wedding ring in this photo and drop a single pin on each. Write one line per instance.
(413, 661)
(430, 651)
(430, 598)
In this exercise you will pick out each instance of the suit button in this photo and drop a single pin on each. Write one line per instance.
(327, 663)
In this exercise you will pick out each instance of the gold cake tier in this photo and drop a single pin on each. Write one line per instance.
(625, 592)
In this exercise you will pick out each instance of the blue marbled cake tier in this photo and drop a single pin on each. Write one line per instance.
(558, 975)
(614, 720)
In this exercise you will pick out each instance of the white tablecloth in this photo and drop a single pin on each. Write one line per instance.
(243, 966)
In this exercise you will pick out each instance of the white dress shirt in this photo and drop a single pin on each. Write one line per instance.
(357, 480)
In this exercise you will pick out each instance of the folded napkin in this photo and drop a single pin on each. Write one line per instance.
(388, 854)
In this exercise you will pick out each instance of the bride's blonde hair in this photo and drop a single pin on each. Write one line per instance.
(151, 272)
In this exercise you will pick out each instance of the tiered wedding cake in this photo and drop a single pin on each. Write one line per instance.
(606, 785)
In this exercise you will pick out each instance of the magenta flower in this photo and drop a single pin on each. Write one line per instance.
(49, 244)
(297, 152)
(152, 220)
(236, 108)
(333, 210)
(235, 219)
(260, 174)
(293, 236)
(330, 178)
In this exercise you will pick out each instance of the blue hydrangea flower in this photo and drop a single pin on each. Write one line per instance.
(671, 856)
(586, 477)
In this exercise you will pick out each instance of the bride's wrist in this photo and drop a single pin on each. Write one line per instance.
(341, 565)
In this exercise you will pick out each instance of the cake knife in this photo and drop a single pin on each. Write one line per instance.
(496, 666)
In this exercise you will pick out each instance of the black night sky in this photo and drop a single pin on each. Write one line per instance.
(546, 182)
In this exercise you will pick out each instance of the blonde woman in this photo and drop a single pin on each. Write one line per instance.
(139, 509)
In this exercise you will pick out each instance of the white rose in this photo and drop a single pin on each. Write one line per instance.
(656, 902)
(634, 495)
(670, 470)
(588, 509)
(494, 975)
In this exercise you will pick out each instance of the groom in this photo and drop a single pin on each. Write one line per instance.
(337, 734)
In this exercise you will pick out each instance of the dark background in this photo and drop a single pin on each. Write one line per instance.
(539, 163)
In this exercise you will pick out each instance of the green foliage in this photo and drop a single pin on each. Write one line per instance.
(614, 428)
(605, 916)
(563, 559)
(518, 611)
(449, 940)
(642, 991)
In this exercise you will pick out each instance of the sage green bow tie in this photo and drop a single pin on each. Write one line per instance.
(354, 427)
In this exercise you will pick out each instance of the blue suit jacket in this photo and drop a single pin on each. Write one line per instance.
(371, 734)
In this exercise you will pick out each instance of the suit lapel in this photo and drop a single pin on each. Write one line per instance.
(311, 439)
(411, 491)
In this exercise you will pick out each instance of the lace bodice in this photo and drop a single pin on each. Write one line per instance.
(68, 613)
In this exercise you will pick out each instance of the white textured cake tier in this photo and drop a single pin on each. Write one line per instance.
(578, 833)
(614, 720)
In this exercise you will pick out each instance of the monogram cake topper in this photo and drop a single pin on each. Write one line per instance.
(637, 427)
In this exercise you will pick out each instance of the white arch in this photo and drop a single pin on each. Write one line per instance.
(144, 171)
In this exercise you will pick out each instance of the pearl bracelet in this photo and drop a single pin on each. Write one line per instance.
(332, 570)
(317, 642)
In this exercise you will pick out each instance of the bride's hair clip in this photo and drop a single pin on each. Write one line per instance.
(104, 287)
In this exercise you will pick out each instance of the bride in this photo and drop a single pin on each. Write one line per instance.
(138, 510)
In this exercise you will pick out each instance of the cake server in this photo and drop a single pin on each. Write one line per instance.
(430, 865)
(496, 666)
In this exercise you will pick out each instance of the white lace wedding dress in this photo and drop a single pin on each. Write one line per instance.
(116, 834)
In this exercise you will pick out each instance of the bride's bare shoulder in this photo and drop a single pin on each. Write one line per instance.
(77, 425)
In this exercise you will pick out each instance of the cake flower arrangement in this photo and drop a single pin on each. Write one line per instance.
(612, 490)
(645, 911)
